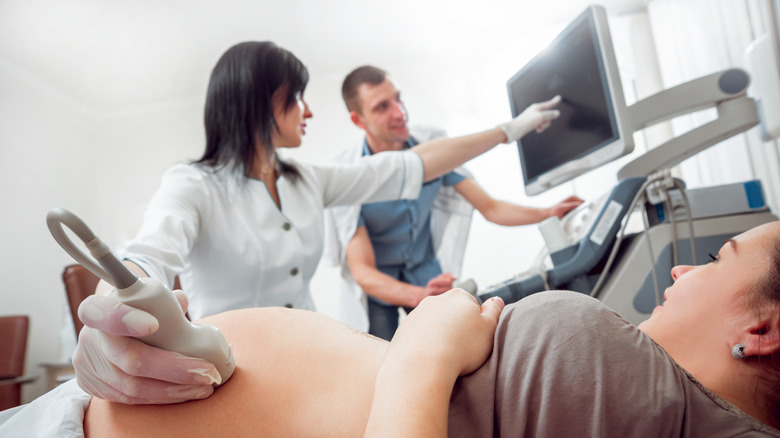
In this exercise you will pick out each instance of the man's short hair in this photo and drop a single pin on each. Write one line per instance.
(366, 74)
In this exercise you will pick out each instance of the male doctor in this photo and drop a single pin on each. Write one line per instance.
(388, 248)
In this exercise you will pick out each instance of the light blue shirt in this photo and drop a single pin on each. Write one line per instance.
(400, 231)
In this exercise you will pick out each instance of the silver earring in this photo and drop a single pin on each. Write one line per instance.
(738, 351)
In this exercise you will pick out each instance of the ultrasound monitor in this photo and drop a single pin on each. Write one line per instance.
(593, 128)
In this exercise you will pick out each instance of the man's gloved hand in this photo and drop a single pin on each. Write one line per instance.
(111, 365)
(537, 116)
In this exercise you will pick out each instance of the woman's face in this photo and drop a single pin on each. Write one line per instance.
(708, 301)
(291, 122)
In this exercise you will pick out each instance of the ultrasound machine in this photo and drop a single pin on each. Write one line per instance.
(592, 249)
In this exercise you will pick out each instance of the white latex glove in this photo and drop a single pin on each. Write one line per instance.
(111, 365)
(537, 116)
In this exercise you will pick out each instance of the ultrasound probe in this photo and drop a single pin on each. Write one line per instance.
(175, 332)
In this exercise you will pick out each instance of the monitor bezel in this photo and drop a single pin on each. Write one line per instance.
(597, 17)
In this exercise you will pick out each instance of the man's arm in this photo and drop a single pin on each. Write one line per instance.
(507, 213)
(362, 265)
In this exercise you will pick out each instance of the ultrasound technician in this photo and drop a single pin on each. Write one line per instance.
(242, 228)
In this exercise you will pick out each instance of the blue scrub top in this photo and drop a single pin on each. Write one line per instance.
(400, 231)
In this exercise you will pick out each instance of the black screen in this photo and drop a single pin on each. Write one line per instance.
(571, 67)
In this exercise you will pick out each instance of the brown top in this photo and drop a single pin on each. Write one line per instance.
(566, 365)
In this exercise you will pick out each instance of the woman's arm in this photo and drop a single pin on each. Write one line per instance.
(445, 154)
(389, 175)
(442, 155)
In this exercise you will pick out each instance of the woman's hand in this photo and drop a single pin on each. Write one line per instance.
(451, 330)
(537, 117)
(446, 336)
(114, 366)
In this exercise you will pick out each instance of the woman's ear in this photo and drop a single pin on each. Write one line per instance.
(763, 337)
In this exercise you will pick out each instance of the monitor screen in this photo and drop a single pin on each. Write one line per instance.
(593, 129)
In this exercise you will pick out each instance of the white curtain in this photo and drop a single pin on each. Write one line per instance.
(694, 38)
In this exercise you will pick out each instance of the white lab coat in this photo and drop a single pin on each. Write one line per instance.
(450, 222)
(233, 248)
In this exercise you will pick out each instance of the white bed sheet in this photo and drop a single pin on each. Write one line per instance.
(58, 413)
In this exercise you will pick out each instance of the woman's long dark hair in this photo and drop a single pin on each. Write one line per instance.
(239, 103)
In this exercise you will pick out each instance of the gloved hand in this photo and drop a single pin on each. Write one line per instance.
(111, 365)
(537, 116)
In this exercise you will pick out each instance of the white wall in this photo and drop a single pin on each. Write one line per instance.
(56, 153)
(46, 144)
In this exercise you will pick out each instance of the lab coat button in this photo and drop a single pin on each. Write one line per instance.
(294, 272)
(286, 226)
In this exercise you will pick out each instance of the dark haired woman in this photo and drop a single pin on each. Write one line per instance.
(243, 228)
